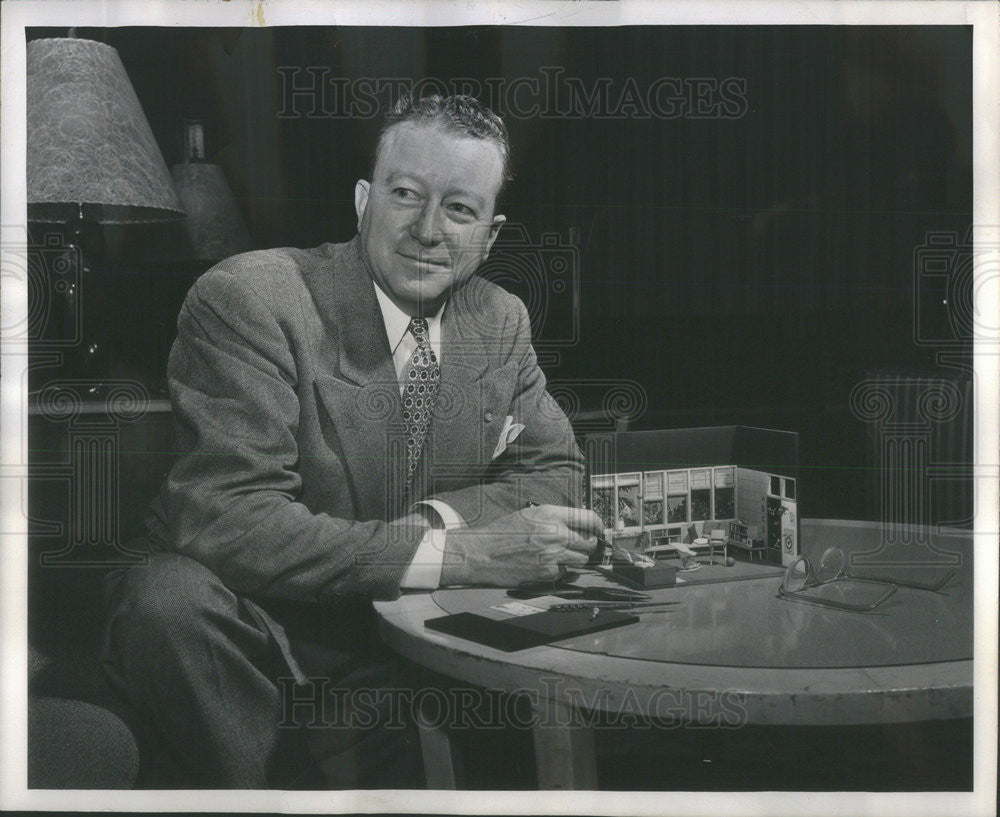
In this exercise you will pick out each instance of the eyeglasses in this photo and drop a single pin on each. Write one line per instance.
(801, 576)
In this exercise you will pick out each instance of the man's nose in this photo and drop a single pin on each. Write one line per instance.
(426, 228)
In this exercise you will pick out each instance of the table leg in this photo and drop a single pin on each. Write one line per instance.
(438, 752)
(564, 749)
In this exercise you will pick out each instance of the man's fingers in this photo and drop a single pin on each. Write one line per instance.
(561, 555)
(584, 522)
(572, 557)
(582, 545)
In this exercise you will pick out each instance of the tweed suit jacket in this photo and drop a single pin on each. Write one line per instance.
(289, 426)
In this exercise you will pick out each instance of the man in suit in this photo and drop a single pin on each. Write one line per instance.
(352, 420)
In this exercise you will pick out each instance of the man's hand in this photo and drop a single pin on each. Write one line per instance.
(528, 545)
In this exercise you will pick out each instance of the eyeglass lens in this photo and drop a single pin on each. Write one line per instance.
(831, 564)
(797, 575)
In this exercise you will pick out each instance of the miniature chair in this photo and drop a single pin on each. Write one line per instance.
(687, 554)
(718, 537)
(699, 536)
(686, 549)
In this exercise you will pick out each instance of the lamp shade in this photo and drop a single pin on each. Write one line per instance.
(89, 142)
(214, 225)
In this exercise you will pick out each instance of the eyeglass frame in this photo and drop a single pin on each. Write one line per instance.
(795, 595)
(811, 580)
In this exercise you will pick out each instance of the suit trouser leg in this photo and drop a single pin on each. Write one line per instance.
(197, 669)
(353, 706)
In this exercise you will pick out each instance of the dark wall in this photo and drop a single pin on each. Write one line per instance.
(745, 251)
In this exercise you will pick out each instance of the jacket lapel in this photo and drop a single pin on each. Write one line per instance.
(461, 420)
(360, 391)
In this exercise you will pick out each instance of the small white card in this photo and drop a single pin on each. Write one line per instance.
(517, 608)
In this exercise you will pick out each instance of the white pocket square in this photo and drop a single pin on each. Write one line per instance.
(507, 435)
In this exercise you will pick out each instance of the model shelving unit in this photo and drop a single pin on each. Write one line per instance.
(674, 484)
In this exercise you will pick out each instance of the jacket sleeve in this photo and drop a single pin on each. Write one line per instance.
(230, 499)
(543, 464)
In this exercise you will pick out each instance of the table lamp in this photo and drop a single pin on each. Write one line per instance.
(90, 152)
(91, 157)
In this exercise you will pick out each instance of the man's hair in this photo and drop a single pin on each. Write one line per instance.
(459, 114)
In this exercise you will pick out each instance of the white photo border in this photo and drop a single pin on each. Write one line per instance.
(19, 14)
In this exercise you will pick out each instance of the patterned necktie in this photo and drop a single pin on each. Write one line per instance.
(421, 378)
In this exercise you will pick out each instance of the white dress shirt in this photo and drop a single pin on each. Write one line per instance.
(424, 572)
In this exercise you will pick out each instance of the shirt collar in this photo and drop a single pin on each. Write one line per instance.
(397, 321)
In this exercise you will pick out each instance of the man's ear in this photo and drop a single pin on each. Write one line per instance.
(498, 222)
(361, 190)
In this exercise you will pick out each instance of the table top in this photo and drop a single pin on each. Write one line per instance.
(733, 644)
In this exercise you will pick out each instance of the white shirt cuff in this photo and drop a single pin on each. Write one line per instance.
(424, 572)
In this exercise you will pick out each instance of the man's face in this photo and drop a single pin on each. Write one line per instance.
(426, 218)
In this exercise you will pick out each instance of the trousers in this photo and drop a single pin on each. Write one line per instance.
(235, 692)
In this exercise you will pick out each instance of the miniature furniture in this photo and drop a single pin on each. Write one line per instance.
(698, 538)
(667, 543)
(713, 535)
(739, 535)
(670, 542)
(664, 536)
(718, 537)
(744, 538)
(699, 544)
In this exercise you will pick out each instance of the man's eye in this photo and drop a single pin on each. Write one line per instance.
(461, 209)
(404, 194)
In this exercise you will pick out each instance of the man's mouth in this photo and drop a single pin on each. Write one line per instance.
(443, 263)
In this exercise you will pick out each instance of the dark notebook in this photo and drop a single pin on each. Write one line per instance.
(521, 632)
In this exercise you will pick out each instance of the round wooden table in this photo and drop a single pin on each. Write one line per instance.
(725, 653)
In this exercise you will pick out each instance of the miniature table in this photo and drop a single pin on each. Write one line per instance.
(750, 548)
(726, 650)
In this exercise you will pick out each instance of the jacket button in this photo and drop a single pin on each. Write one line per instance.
(488, 417)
